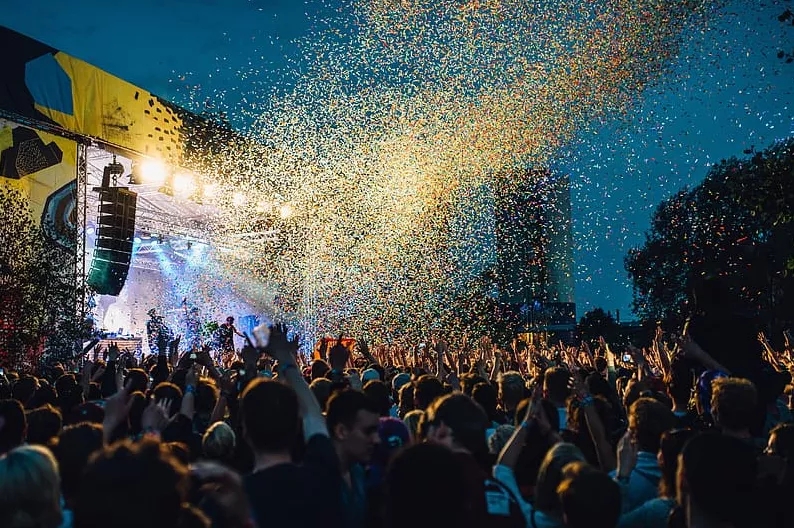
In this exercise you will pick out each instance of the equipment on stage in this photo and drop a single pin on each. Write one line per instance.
(114, 234)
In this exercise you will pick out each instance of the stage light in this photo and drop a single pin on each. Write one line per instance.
(89, 231)
(150, 171)
(238, 200)
(286, 211)
(183, 184)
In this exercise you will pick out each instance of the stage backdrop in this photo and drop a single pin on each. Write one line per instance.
(51, 88)
(41, 166)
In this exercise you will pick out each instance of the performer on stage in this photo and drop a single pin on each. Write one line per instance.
(193, 329)
(224, 337)
(157, 332)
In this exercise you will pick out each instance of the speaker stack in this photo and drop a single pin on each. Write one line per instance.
(114, 238)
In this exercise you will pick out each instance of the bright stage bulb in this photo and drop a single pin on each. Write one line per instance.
(153, 171)
(238, 200)
(184, 185)
(286, 211)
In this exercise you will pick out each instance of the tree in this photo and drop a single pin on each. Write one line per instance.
(738, 226)
(598, 323)
(38, 288)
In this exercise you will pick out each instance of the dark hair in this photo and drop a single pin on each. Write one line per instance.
(734, 402)
(468, 381)
(406, 395)
(44, 423)
(168, 390)
(144, 475)
(138, 378)
(343, 407)
(485, 394)
(600, 364)
(648, 419)
(206, 396)
(24, 389)
(719, 473)
(555, 381)
(429, 479)
(270, 415)
(512, 389)
(379, 393)
(74, 446)
(321, 388)
(12, 434)
(465, 418)
(319, 369)
(589, 498)
(426, 389)
(671, 445)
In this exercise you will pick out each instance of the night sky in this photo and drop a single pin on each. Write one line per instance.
(727, 92)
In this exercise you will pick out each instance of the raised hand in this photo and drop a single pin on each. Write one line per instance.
(155, 415)
(117, 408)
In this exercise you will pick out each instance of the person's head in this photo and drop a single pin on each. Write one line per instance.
(24, 389)
(716, 476)
(671, 445)
(601, 365)
(468, 381)
(734, 403)
(321, 388)
(499, 438)
(589, 498)
(168, 391)
(412, 420)
(270, 416)
(550, 476)
(426, 389)
(429, 479)
(152, 313)
(139, 380)
(219, 442)
(648, 419)
(399, 381)
(30, 489)
(486, 395)
(131, 485)
(319, 369)
(353, 422)
(44, 423)
(459, 423)
(74, 447)
(406, 396)
(555, 385)
(218, 491)
(394, 435)
(230, 320)
(679, 383)
(781, 441)
(379, 393)
(13, 425)
(511, 389)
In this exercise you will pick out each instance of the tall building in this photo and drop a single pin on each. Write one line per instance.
(534, 254)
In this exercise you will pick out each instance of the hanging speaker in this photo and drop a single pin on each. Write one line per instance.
(114, 237)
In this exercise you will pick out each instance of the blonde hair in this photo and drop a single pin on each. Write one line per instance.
(30, 489)
(412, 420)
(219, 441)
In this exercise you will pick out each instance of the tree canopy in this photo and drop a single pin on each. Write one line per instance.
(738, 226)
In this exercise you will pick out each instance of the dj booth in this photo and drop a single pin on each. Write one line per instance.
(131, 344)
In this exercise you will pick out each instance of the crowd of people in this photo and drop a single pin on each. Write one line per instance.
(464, 434)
